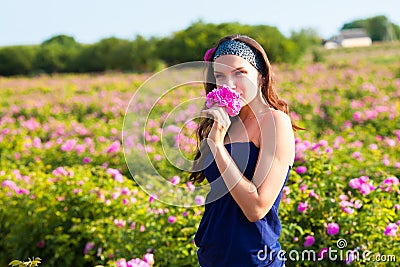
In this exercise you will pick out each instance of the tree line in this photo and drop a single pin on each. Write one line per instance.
(379, 28)
(62, 53)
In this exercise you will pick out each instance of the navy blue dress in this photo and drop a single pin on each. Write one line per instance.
(225, 236)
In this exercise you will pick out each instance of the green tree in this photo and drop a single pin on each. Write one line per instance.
(191, 44)
(305, 38)
(119, 54)
(379, 28)
(57, 54)
(396, 31)
(17, 60)
(97, 57)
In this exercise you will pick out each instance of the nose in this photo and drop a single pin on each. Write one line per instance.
(231, 82)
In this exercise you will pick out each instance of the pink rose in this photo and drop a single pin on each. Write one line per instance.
(149, 258)
(302, 207)
(224, 97)
(301, 169)
(333, 229)
(309, 241)
(171, 219)
(391, 229)
(208, 54)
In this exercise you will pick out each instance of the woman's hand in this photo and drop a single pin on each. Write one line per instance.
(220, 126)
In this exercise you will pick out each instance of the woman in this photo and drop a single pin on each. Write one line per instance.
(246, 159)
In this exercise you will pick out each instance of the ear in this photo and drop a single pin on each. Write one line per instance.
(260, 80)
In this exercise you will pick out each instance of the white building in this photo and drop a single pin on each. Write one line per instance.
(349, 38)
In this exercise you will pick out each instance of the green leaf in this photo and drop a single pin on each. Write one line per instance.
(15, 263)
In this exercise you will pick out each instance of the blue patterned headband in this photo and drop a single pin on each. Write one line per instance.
(238, 48)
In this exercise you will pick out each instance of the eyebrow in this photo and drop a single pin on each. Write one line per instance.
(239, 68)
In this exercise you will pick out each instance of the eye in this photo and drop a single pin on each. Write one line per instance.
(219, 76)
(240, 72)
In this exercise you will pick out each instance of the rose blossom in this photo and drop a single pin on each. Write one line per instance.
(224, 97)
(309, 241)
(332, 229)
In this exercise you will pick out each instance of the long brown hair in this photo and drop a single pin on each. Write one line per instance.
(205, 124)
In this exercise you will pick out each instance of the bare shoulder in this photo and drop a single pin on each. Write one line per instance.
(277, 132)
(279, 119)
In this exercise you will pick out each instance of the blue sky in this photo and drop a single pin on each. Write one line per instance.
(88, 21)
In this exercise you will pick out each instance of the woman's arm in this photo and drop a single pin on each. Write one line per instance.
(256, 197)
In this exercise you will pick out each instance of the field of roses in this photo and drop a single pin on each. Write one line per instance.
(68, 197)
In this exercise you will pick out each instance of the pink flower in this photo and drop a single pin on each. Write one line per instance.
(301, 169)
(175, 180)
(190, 186)
(88, 247)
(362, 184)
(373, 146)
(302, 206)
(69, 145)
(137, 263)
(365, 188)
(208, 55)
(60, 171)
(313, 194)
(121, 263)
(171, 219)
(10, 184)
(77, 191)
(149, 258)
(388, 184)
(348, 210)
(357, 116)
(391, 229)
(152, 198)
(80, 149)
(126, 191)
(120, 223)
(86, 160)
(303, 188)
(332, 229)
(224, 97)
(357, 155)
(114, 147)
(309, 241)
(323, 142)
(37, 143)
(354, 183)
(199, 200)
(116, 174)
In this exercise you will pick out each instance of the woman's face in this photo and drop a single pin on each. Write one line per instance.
(239, 75)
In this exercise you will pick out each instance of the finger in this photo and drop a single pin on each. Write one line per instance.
(223, 114)
(207, 113)
(215, 115)
(222, 118)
